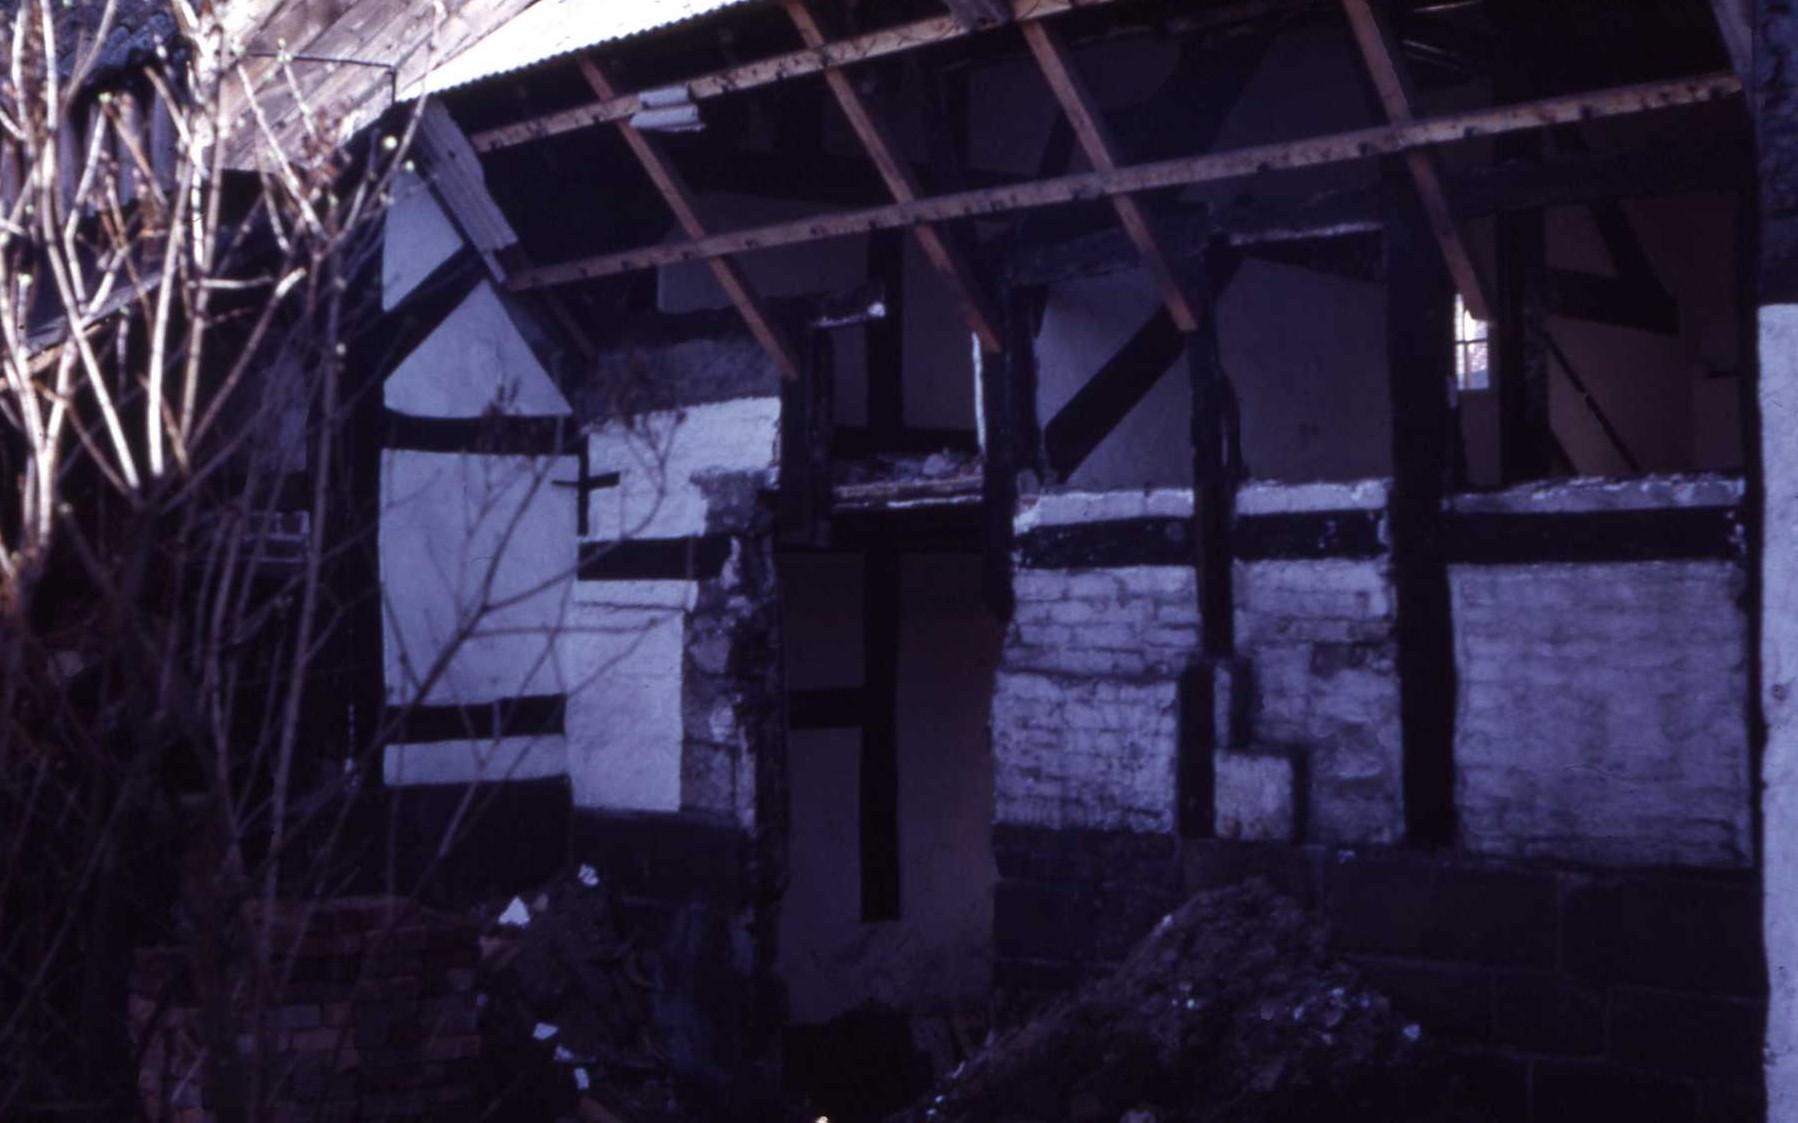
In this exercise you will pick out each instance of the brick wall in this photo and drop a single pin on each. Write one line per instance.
(376, 1019)
(1085, 713)
(1603, 702)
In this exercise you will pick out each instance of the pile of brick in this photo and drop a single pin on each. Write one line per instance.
(369, 1013)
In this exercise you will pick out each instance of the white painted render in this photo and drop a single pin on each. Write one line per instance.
(623, 669)
(1779, 698)
(418, 238)
(477, 562)
(475, 363)
(662, 458)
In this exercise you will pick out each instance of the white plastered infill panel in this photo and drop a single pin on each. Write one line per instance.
(662, 457)
(623, 666)
(418, 238)
(475, 363)
(477, 566)
(469, 762)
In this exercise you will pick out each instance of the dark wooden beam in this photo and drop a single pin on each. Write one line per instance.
(886, 339)
(945, 257)
(1098, 407)
(1338, 148)
(1598, 299)
(1420, 345)
(1380, 51)
(882, 611)
(1059, 69)
(763, 72)
(674, 192)
(807, 411)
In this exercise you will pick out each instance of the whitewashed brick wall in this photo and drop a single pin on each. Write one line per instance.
(1085, 711)
(1319, 636)
(1603, 712)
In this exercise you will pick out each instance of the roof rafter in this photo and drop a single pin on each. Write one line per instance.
(942, 252)
(1379, 50)
(1358, 144)
(1057, 65)
(814, 59)
(729, 273)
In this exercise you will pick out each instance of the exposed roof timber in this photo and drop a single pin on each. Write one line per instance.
(1483, 190)
(729, 274)
(812, 60)
(944, 257)
(1054, 60)
(1358, 144)
(1378, 51)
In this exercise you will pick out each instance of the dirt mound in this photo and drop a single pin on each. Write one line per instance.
(1230, 1011)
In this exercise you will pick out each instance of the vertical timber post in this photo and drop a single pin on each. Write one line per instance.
(1007, 401)
(881, 613)
(1420, 349)
(1214, 513)
(807, 409)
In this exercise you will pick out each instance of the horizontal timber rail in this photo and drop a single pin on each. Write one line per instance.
(812, 60)
(1339, 148)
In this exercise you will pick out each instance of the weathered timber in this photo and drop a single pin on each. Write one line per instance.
(1379, 51)
(1337, 148)
(811, 60)
(942, 253)
(1070, 90)
(730, 275)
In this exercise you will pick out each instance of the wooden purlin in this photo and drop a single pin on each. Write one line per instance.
(1057, 66)
(1379, 52)
(1358, 144)
(812, 60)
(730, 275)
(942, 253)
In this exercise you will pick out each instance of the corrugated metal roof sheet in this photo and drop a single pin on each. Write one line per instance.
(552, 28)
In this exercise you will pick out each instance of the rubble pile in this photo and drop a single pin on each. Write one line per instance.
(565, 1012)
(1229, 1012)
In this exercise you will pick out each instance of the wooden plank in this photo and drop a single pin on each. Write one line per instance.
(729, 274)
(1379, 52)
(795, 64)
(1057, 66)
(944, 257)
(1358, 144)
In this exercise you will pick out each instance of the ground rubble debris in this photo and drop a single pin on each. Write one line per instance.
(1230, 1011)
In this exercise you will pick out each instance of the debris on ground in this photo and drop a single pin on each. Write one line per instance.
(1230, 1011)
(565, 1007)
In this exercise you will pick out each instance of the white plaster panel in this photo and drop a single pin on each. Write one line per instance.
(1779, 697)
(624, 718)
(480, 547)
(418, 238)
(1602, 712)
(468, 762)
(476, 362)
(662, 457)
(1263, 497)
(1066, 508)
